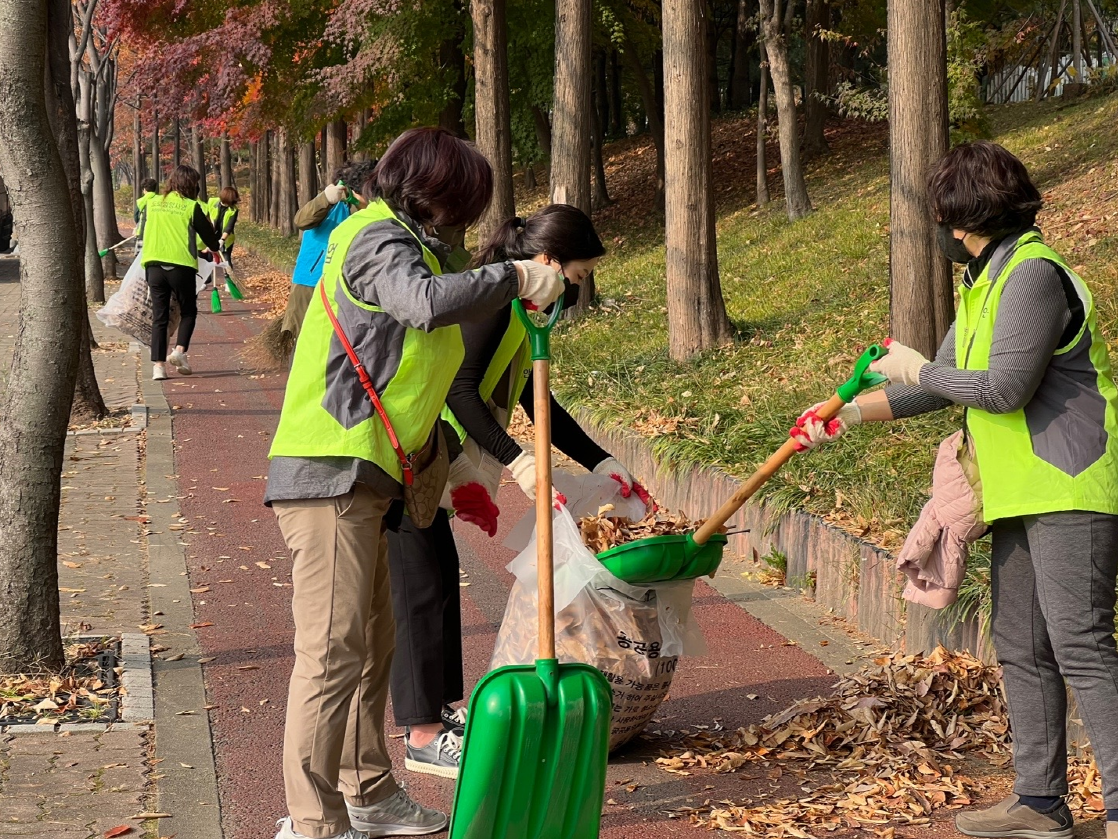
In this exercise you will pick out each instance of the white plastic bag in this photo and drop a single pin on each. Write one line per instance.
(633, 634)
(130, 309)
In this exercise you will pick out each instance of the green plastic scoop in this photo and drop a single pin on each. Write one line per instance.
(534, 759)
(682, 557)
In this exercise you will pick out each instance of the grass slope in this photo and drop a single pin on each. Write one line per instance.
(805, 298)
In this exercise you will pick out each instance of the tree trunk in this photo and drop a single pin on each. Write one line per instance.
(275, 181)
(287, 185)
(137, 157)
(104, 208)
(226, 162)
(491, 108)
(600, 120)
(89, 404)
(763, 131)
(94, 273)
(254, 181)
(817, 78)
(1077, 40)
(601, 88)
(335, 146)
(36, 401)
(921, 301)
(617, 101)
(156, 165)
(712, 59)
(530, 177)
(652, 108)
(776, 48)
(543, 130)
(198, 154)
(176, 144)
(139, 162)
(697, 318)
(324, 173)
(737, 92)
(453, 60)
(264, 167)
(571, 126)
(308, 176)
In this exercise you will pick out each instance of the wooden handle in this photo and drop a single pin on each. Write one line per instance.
(545, 546)
(770, 467)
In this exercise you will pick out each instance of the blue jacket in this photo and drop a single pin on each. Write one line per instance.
(308, 265)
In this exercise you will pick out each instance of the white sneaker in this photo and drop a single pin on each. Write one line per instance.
(178, 359)
(286, 831)
(439, 757)
(159, 373)
(397, 815)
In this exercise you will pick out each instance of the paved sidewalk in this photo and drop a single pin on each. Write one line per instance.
(80, 784)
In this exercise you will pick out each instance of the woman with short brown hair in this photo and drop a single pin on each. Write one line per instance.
(1027, 360)
(336, 473)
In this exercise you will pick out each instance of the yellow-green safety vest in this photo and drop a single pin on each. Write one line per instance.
(1060, 452)
(214, 210)
(514, 354)
(326, 412)
(169, 235)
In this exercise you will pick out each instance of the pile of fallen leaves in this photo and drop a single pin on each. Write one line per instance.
(268, 287)
(78, 692)
(602, 532)
(891, 737)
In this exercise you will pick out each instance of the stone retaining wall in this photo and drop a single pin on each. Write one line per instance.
(855, 579)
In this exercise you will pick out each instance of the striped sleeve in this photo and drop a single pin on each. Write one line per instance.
(909, 400)
(1033, 314)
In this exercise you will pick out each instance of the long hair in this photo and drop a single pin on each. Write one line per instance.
(185, 181)
(560, 231)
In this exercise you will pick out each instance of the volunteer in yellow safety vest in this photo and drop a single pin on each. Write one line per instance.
(335, 474)
(494, 377)
(174, 221)
(148, 188)
(1027, 360)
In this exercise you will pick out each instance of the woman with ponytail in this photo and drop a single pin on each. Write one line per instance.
(495, 375)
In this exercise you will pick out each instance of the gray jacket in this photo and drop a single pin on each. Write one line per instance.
(384, 267)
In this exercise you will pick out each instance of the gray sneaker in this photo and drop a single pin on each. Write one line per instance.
(397, 815)
(439, 757)
(1013, 820)
(286, 831)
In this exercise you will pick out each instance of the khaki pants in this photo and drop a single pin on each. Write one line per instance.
(344, 637)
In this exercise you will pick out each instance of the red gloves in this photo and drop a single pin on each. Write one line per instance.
(472, 504)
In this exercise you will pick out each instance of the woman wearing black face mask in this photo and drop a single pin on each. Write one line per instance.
(493, 378)
(1027, 360)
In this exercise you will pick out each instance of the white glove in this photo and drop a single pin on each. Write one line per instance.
(524, 470)
(334, 193)
(539, 284)
(810, 431)
(902, 364)
(611, 467)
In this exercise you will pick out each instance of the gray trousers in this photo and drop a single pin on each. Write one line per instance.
(1053, 587)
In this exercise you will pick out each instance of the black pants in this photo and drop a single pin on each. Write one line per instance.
(165, 281)
(427, 667)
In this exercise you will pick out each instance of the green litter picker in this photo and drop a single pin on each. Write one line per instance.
(105, 252)
(687, 556)
(534, 759)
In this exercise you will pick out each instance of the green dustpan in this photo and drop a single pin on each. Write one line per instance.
(533, 764)
(658, 559)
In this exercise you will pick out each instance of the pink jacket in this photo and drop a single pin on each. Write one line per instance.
(934, 556)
